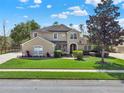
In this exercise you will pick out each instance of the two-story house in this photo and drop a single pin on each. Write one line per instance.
(47, 39)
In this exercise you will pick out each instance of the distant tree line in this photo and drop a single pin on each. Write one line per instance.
(22, 31)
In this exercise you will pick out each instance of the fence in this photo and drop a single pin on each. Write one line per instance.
(9, 50)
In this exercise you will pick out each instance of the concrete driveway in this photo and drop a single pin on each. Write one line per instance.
(61, 86)
(8, 56)
(117, 55)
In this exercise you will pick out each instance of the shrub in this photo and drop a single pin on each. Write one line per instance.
(57, 53)
(86, 52)
(97, 49)
(64, 54)
(98, 52)
(78, 54)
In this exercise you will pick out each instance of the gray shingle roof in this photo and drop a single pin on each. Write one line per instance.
(55, 28)
(59, 28)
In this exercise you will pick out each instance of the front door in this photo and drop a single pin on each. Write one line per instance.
(72, 48)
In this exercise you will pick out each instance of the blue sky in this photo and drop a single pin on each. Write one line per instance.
(45, 12)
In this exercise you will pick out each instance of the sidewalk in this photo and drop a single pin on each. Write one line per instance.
(117, 55)
(8, 56)
(61, 70)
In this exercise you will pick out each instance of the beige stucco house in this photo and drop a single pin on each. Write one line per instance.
(59, 37)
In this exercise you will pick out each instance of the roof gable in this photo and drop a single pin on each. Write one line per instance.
(37, 38)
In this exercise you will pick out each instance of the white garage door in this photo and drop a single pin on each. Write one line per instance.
(38, 51)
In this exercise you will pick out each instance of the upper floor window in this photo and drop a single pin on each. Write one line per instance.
(73, 36)
(55, 36)
(35, 34)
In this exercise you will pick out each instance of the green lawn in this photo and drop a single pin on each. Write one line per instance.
(61, 75)
(2, 52)
(88, 63)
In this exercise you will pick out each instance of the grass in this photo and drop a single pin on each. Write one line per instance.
(3, 52)
(57, 63)
(62, 75)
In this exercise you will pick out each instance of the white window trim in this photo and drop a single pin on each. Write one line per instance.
(72, 33)
(34, 34)
(55, 38)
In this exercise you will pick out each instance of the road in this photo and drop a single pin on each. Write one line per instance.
(61, 86)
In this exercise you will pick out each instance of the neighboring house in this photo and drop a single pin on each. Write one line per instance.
(59, 37)
(120, 48)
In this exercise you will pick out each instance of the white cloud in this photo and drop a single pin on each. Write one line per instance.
(118, 1)
(23, 1)
(66, 13)
(123, 5)
(121, 21)
(76, 27)
(49, 6)
(62, 15)
(75, 8)
(37, 1)
(34, 6)
(25, 16)
(20, 7)
(80, 13)
(93, 2)
(77, 11)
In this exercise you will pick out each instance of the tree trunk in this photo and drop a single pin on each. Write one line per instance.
(103, 54)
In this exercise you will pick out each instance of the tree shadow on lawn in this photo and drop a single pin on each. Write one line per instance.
(109, 66)
(117, 76)
(112, 66)
(111, 57)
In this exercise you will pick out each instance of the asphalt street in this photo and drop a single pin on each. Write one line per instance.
(61, 86)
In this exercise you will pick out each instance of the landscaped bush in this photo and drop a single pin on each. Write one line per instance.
(97, 49)
(65, 54)
(57, 53)
(98, 52)
(86, 52)
(78, 54)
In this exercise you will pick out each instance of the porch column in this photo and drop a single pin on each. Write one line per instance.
(68, 48)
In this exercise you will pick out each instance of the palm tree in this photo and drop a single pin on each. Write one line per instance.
(71, 25)
(56, 23)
